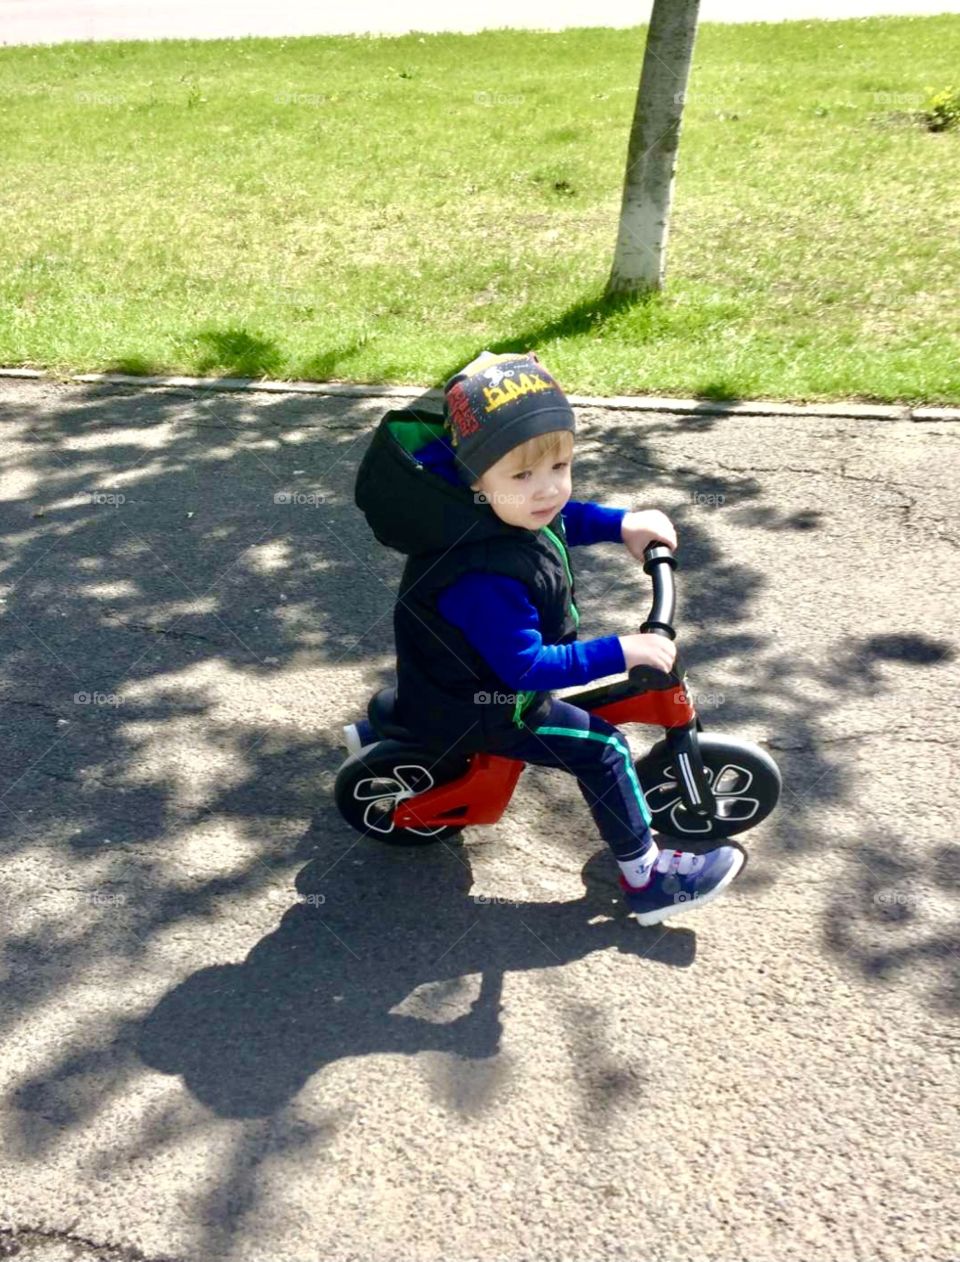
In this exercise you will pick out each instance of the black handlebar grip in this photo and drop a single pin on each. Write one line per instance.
(657, 628)
(659, 563)
(655, 552)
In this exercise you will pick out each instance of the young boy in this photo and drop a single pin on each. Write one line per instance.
(486, 622)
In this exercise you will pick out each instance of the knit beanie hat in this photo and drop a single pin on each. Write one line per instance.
(497, 402)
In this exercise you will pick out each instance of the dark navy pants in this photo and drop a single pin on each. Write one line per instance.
(596, 753)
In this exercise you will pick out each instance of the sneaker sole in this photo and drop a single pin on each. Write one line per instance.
(690, 904)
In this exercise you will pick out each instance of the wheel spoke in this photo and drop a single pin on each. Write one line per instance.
(375, 816)
(691, 825)
(376, 787)
(725, 803)
(736, 788)
(667, 789)
(417, 779)
(407, 781)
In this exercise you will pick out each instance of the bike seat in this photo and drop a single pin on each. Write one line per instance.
(380, 712)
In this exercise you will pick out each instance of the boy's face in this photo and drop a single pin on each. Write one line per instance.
(527, 495)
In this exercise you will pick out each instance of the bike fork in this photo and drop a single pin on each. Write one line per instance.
(694, 788)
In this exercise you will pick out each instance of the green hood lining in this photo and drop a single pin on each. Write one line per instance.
(411, 435)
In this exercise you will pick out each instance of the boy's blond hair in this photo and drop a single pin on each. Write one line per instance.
(559, 443)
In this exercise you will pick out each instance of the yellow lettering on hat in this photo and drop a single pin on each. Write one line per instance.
(508, 390)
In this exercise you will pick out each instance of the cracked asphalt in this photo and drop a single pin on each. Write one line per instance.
(234, 1030)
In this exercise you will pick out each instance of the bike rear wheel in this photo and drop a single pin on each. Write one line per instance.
(370, 784)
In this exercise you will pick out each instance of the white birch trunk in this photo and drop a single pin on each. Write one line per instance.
(640, 257)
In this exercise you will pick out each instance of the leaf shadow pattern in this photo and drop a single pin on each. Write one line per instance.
(157, 554)
(420, 969)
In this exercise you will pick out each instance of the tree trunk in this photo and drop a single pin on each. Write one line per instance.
(640, 258)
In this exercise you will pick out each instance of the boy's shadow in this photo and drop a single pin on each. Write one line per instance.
(359, 940)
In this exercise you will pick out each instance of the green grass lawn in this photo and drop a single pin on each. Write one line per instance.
(380, 210)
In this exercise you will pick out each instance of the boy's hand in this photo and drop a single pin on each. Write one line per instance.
(646, 649)
(641, 528)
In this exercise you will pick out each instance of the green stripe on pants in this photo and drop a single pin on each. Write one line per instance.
(618, 745)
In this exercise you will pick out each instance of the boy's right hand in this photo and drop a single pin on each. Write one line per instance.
(647, 649)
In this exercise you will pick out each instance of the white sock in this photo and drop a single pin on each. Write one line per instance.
(637, 871)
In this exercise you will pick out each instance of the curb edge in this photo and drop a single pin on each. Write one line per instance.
(621, 402)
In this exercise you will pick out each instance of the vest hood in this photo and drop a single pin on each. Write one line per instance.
(420, 506)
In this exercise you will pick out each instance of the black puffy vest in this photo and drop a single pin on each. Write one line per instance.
(447, 694)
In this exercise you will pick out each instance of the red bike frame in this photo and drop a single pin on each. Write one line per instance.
(483, 792)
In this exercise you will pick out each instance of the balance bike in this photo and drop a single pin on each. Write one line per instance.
(698, 787)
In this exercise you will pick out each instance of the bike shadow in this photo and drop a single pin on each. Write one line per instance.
(390, 953)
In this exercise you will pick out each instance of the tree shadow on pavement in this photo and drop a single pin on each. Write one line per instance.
(188, 587)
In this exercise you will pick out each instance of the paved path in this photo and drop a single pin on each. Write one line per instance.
(234, 1031)
(43, 21)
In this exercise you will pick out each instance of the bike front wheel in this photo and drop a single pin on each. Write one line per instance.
(744, 778)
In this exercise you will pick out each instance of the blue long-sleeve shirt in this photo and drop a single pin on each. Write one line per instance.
(499, 620)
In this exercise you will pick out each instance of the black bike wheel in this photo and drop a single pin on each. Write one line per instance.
(744, 778)
(371, 782)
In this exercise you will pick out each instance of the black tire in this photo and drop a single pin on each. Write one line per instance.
(369, 783)
(747, 784)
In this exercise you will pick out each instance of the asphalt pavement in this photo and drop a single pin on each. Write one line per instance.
(234, 1030)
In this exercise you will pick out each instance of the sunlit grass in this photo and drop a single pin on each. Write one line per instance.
(381, 209)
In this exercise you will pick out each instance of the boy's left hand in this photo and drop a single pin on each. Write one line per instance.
(639, 529)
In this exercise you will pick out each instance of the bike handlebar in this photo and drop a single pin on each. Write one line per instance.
(659, 562)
